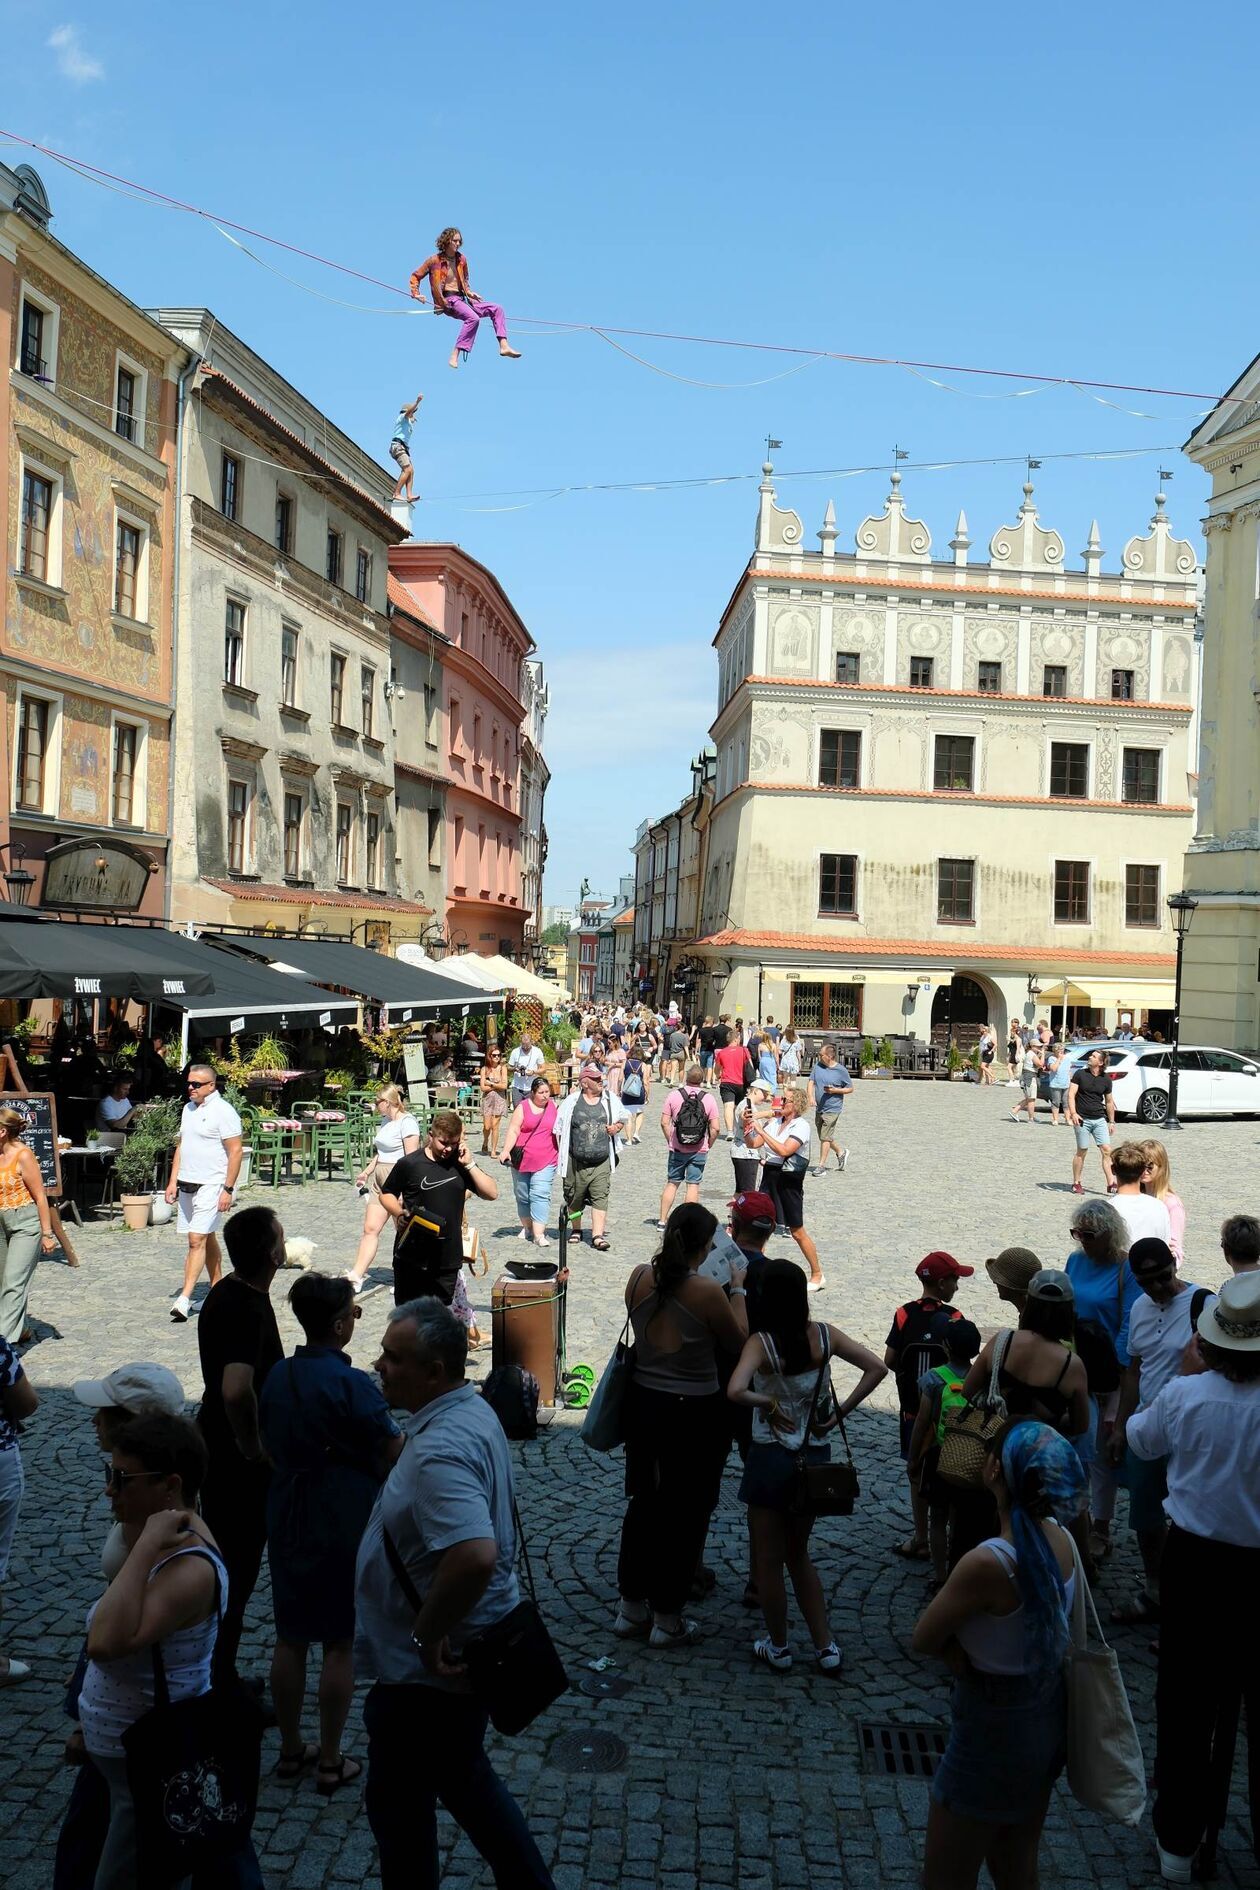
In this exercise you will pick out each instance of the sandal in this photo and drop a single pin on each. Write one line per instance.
(601, 1245)
(328, 1778)
(291, 1765)
(1140, 1611)
(912, 1551)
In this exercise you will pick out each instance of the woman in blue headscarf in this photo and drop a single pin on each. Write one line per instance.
(1000, 1623)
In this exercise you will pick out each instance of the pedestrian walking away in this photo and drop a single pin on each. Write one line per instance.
(442, 1530)
(690, 1124)
(636, 1090)
(915, 1343)
(206, 1163)
(734, 1071)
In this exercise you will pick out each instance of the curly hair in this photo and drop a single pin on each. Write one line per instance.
(446, 239)
(1101, 1223)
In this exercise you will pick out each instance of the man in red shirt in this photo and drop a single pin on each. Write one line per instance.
(914, 1345)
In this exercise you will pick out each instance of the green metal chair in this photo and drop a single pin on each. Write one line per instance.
(278, 1148)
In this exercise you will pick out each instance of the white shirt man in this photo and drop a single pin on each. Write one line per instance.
(203, 1175)
(525, 1062)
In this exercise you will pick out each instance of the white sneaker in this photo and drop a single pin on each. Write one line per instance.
(181, 1306)
(779, 1658)
(524, 1234)
(815, 1286)
(687, 1630)
(627, 1628)
(356, 1281)
(1172, 1868)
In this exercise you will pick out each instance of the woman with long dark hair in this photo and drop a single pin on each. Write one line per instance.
(677, 1430)
(778, 1376)
(1000, 1623)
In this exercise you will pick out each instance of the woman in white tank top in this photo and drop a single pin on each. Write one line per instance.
(1000, 1623)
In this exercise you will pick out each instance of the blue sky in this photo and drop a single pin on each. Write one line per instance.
(1068, 192)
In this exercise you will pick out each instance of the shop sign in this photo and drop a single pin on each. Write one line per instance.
(95, 876)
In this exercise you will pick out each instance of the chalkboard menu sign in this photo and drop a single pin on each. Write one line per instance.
(39, 1112)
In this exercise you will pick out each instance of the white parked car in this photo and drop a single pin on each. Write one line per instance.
(1210, 1082)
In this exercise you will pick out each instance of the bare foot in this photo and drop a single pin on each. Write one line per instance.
(509, 353)
(454, 360)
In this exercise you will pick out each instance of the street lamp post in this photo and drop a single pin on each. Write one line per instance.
(1183, 909)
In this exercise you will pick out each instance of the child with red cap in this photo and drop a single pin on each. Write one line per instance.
(915, 1344)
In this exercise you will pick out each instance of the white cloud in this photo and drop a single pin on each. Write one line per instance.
(73, 62)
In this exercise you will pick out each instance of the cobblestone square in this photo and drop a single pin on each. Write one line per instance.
(732, 1775)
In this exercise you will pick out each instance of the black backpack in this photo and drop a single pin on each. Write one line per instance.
(691, 1124)
(512, 1394)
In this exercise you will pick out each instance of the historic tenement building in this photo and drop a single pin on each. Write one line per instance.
(949, 789)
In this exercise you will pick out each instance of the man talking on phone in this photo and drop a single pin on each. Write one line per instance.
(425, 1194)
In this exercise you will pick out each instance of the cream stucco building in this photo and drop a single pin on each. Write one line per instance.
(967, 780)
(1221, 990)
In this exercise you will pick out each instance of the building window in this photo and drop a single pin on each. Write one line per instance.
(921, 672)
(1141, 775)
(1141, 896)
(238, 825)
(1069, 770)
(955, 892)
(1122, 685)
(373, 848)
(336, 688)
(234, 644)
(435, 836)
(127, 570)
(230, 487)
(840, 758)
(990, 679)
(345, 821)
(36, 537)
(848, 666)
(1071, 892)
(430, 715)
(362, 575)
(126, 755)
(1054, 679)
(826, 1006)
(332, 565)
(126, 406)
(367, 693)
(288, 666)
(293, 836)
(32, 752)
(36, 324)
(284, 523)
(954, 763)
(837, 884)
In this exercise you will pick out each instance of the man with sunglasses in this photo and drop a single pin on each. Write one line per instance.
(203, 1175)
(1160, 1328)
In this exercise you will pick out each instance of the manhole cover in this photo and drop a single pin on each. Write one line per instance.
(901, 1751)
(602, 1686)
(587, 1751)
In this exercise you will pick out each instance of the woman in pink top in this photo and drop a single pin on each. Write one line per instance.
(1158, 1181)
(532, 1127)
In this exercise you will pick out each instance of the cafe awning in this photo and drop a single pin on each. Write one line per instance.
(407, 993)
(95, 961)
(243, 995)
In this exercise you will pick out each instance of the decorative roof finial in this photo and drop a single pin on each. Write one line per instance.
(827, 534)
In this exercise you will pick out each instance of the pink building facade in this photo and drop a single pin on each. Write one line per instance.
(483, 716)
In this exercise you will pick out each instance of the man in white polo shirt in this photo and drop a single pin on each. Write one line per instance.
(203, 1174)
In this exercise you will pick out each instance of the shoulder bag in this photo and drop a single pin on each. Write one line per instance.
(516, 1154)
(514, 1670)
(1105, 1767)
(965, 1440)
(192, 1771)
(604, 1426)
(824, 1489)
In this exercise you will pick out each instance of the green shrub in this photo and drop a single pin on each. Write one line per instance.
(885, 1053)
(867, 1059)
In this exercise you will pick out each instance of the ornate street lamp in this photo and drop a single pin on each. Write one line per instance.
(17, 880)
(1183, 909)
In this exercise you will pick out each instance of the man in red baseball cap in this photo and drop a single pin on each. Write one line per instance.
(915, 1344)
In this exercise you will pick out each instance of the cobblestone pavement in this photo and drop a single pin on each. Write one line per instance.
(731, 1775)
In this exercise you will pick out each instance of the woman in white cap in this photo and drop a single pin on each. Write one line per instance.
(1207, 1426)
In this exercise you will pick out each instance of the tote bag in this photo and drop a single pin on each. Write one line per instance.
(1105, 1768)
(965, 1439)
(604, 1426)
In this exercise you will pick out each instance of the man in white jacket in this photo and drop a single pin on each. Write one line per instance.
(588, 1124)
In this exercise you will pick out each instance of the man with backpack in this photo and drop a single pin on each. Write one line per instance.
(690, 1124)
(915, 1345)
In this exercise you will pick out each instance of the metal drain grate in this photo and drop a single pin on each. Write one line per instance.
(898, 1751)
(601, 1686)
(587, 1752)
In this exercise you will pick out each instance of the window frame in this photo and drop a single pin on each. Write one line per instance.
(289, 796)
(337, 687)
(373, 833)
(50, 784)
(231, 817)
(1087, 748)
(947, 787)
(986, 685)
(956, 918)
(130, 521)
(1154, 755)
(231, 480)
(363, 574)
(1154, 924)
(289, 682)
(916, 661)
(284, 545)
(367, 702)
(30, 468)
(230, 604)
(49, 340)
(1128, 691)
(344, 863)
(837, 911)
(1055, 917)
(1057, 669)
(842, 737)
(125, 364)
(139, 774)
(334, 556)
(848, 656)
(826, 986)
(434, 824)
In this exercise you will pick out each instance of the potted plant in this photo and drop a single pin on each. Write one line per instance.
(134, 1168)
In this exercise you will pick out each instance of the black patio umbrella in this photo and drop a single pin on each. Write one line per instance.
(91, 961)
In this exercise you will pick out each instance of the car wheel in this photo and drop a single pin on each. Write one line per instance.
(1153, 1106)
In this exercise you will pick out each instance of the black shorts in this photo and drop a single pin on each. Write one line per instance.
(732, 1092)
(788, 1194)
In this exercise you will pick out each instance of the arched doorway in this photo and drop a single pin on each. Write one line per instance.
(960, 1007)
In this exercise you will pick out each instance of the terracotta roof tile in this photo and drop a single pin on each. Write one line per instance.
(307, 896)
(839, 946)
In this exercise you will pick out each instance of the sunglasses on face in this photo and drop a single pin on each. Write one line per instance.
(119, 1479)
(200, 1085)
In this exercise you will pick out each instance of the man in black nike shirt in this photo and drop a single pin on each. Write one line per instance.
(425, 1194)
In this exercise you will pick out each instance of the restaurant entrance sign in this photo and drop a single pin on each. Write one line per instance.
(88, 875)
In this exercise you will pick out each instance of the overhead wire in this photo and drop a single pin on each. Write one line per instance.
(145, 192)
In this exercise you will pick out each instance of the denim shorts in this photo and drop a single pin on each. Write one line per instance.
(533, 1192)
(1007, 1745)
(685, 1166)
(1094, 1129)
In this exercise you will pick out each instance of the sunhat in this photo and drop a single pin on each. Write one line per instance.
(1013, 1268)
(1232, 1321)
